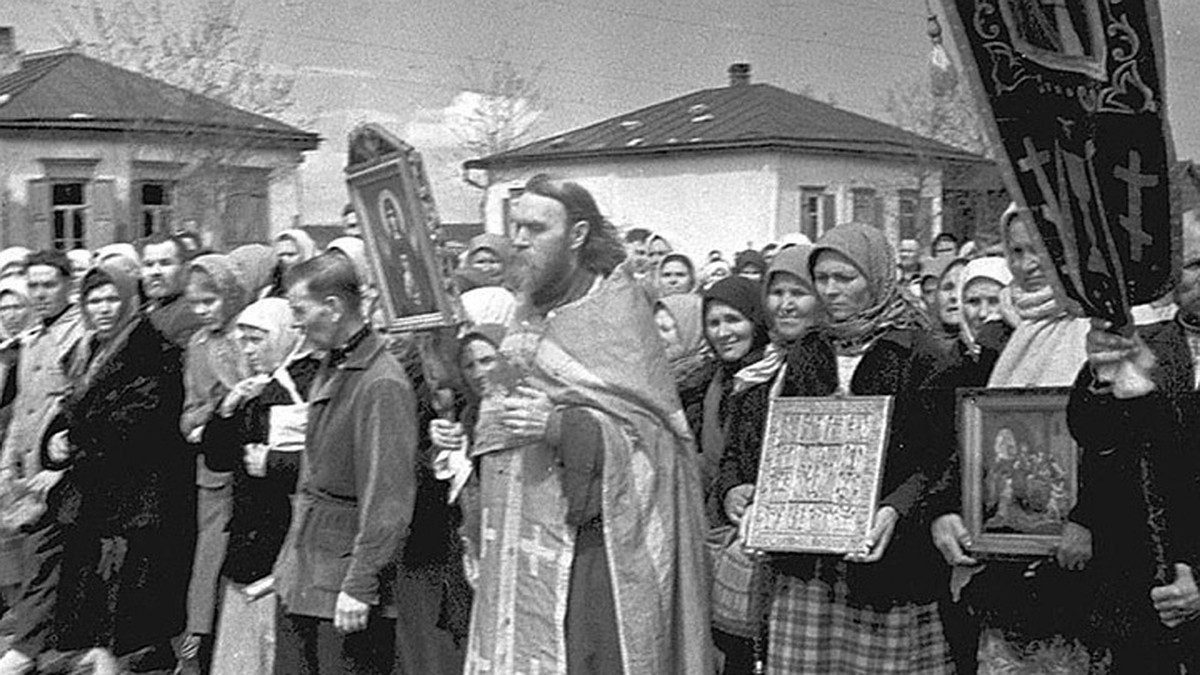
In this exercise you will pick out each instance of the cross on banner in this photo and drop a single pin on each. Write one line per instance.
(1072, 93)
(1132, 221)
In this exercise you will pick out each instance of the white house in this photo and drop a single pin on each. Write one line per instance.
(742, 165)
(91, 154)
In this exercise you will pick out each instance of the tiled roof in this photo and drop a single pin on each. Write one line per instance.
(63, 90)
(733, 117)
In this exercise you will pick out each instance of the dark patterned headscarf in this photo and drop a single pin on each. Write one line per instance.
(869, 251)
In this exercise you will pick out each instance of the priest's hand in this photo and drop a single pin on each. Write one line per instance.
(1178, 602)
(527, 414)
(950, 536)
(877, 542)
(1074, 548)
(349, 614)
(446, 435)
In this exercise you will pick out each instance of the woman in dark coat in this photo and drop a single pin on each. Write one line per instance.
(127, 555)
(874, 611)
(257, 433)
(790, 310)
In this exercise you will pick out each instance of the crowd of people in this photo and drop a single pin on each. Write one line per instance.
(224, 463)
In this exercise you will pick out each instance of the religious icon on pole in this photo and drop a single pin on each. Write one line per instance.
(391, 194)
(1073, 92)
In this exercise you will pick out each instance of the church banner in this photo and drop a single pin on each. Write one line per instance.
(1072, 91)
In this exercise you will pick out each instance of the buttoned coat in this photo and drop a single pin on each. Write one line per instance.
(357, 486)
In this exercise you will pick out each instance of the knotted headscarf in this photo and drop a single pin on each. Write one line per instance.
(273, 316)
(224, 273)
(255, 265)
(500, 246)
(100, 350)
(692, 351)
(305, 246)
(762, 361)
(869, 251)
(679, 258)
(990, 268)
(1048, 347)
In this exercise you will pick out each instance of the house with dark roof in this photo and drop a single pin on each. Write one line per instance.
(91, 153)
(742, 165)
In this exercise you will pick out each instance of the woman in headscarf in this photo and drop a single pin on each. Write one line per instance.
(257, 434)
(1018, 608)
(12, 261)
(680, 322)
(291, 247)
(488, 305)
(127, 551)
(1048, 347)
(749, 264)
(214, 365)
(791, 310)
(735, 327)
(491, 254)
(255, 268)
(984, 328)
(875, 609)
(713, 272)
(15, 310)
(676, 274)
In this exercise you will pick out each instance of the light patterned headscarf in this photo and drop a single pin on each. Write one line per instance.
(274, 317)
(867, 248)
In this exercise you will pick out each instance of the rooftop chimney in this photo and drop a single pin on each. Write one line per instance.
(739, 74)
(10, 58)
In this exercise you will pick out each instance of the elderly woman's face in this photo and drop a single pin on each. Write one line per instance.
(791, 308)
(674, 277)
(254, 345)
(485, 260)
(14, 312)
(1023, 259)
(947, 296)
(287, 252)
(981, 302)
(842, 287)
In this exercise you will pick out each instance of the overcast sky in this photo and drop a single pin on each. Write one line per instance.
(401, 62)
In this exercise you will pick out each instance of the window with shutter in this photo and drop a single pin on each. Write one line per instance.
(154, 207)
(863, 205)
(906, 214)
(68, 223)
(828, 214)
(812, 201)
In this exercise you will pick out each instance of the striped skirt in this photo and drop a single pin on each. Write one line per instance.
(814, 629)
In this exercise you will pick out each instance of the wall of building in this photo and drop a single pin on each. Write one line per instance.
(725, 201)
(111, 169)
(840, 175)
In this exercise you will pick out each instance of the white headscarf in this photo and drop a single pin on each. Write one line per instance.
(489, 304)
(991, 267)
